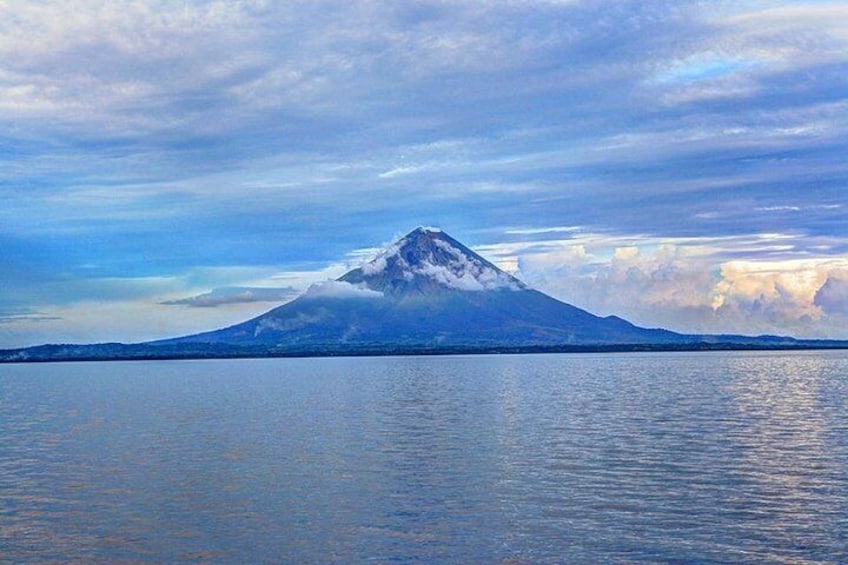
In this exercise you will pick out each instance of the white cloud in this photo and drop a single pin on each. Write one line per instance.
(464, 275)
(538, 231)
(138, 67)
(101, 67)
(340, 289)
(398, 171)
(792, 35)
(694, 284)
(746, 47)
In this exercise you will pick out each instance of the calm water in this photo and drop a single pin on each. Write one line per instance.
(714, 457)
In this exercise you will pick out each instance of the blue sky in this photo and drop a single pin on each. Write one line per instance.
(170, 167)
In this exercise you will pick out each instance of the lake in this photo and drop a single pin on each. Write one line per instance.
(580, 458)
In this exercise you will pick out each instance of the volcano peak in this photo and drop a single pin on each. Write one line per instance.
(428, 259)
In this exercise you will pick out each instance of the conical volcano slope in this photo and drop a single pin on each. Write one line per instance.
(427, 290)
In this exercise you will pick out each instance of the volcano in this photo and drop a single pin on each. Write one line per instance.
(425, 290)
(425, 294)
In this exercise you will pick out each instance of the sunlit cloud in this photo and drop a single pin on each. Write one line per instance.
(695, 286)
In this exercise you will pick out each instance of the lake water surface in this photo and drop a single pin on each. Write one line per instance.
(689, 457)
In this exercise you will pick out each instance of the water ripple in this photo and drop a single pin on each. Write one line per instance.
(709, 458)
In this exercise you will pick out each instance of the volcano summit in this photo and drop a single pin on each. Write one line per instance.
(425, 293)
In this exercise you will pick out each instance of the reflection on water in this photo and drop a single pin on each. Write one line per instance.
(718, 457)
(798, 451)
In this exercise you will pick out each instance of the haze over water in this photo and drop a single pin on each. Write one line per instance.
(706, 457)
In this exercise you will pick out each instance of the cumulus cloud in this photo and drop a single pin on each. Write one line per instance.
(695, 286)
(773, 297)
(235, 295)
(832, 296)
(629, 283)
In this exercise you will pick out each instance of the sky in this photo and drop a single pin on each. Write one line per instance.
(169, 167)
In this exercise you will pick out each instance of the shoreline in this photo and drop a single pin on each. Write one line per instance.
(127, 352)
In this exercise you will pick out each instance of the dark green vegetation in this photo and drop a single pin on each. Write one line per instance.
(138, 352)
